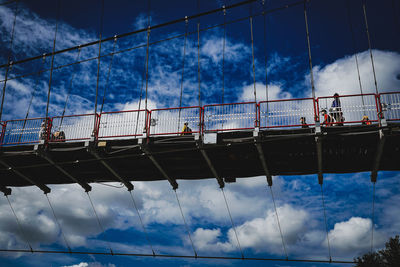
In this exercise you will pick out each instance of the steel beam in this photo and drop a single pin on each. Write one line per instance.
(211, 166)
(172, 181)
(85, 186)
(378, 156)
(264, 163)
(318, 142)
(42, 187)
(128, 185)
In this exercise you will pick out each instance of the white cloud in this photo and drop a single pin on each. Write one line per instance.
(91, 264)
(275, 91)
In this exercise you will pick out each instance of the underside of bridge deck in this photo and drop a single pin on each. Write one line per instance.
(345, 149)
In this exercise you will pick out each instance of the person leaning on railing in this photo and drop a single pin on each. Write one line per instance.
(336, 110)
(328, 119)
(186, 129)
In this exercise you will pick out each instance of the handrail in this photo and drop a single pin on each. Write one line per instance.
(383, 104)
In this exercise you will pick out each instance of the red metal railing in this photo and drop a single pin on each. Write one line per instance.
(287, 113)
(389, 104)
(170, 121)
(123, 124)
(73, 127)
(230, 117)
(353, 109)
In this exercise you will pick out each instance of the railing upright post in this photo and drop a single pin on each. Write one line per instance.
(97, 129)
(48, 127)
(3, 131)
(147, 123)
(258, 114)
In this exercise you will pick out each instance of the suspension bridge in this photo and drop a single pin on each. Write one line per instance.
(224, 141)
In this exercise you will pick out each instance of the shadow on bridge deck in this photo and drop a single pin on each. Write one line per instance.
(345, 149)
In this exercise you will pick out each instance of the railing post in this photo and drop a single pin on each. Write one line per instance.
(201, 121)
(3, 131)
(48, 127)
(98, 118)
(147, 123)
(258, 115)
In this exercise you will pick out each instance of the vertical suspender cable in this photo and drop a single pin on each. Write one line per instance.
(326, 223)
(309, 50)
(373, 217)
(147, 55)
(355, 52)
(265, 54)
(31, 100)
(52, 64)
(108, 74)
(99, 223)
(279, 224)
(19, 225)
(141, 222)
(183, 71)
(69, 90)
(223, 58)
(253, 63)
(369, 45)
(58, 223)
(140, 97)
(233, 225)
(187, 227)
(9, 59)
(98, 68)
(198, 51)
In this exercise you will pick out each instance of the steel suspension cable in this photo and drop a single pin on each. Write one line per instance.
(369, 45)
(140, 46)
(186, 225)
(183, 71)
(355, 53)
(198, 52)
(69, 91)
(23, 234)
(58, 223)
(252, 55)
(326, 222)
(373, 217)
(98, 68)
(147, 70)
(98, 221)
(9, 59)
(309, 49)
(265, 60)
(141, 222)
(233, 225)
(140, 97)
(30, 101)
(108, 75)
(223, 57)
(279, 224)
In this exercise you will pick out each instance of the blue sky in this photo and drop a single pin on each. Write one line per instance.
(348, 196)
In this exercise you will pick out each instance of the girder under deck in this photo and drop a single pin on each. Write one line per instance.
(345, 149)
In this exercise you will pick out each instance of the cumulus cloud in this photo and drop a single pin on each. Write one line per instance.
(91, 264)
(275, 91)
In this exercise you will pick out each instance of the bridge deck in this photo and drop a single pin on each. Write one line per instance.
(345, 149)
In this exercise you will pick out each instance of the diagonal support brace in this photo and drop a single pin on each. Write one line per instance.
(172, 181)
(42, 187)
(211, 166)
(85, 186)
(318, 142)
(378, 156)
(128, 184)
(264, 163)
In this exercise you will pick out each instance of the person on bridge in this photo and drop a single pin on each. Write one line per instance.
(186, 129)
(303, 122)
(328, 119)
(336, 110)
(365, 120)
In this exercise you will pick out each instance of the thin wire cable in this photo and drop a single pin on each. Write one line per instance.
(98, 67)
(326, 223)
(184, 220)
(69, 91)
(183, 72)
(309, 50)
(279, 224)
(19, 225)
(223, 58)
(373, 217)
(8, 2)
(355, 53)
(369, 45)
(265, 60)
(140, 46)
(172, 256)
(9, 59)
(52, 64)
(58, 223)
(147, 70)
(98, 221)
(141, 222)
(140, 97)
(233, 225)
(253, 64)
(198, 52)
(108, 75)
